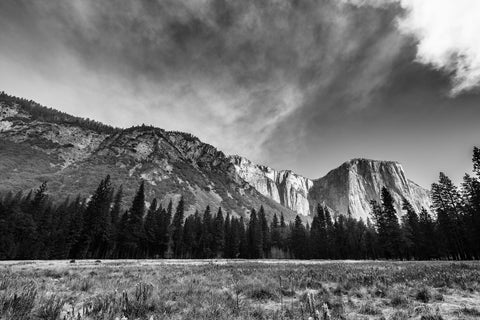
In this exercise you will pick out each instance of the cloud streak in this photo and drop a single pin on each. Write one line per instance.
(447, 35)
(241, 66)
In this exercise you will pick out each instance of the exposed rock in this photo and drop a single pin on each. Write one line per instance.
(347, 189)
(351, 187)
(285, 187)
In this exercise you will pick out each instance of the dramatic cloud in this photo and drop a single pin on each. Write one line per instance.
(448, 36)
(234, 66)
(293, 84)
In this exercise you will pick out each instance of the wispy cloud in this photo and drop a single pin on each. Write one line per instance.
(230, 66)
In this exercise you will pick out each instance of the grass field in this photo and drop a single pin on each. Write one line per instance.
(206, 289)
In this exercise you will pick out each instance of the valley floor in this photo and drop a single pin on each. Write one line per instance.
(238, 289)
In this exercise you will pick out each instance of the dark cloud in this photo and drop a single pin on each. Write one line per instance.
(279, 81)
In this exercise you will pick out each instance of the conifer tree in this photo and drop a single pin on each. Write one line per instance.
(299, 239)
(255, 238)
(97, 233)
(275, 231)
(218, 234)
(207, 236)
(411, 229)
(135, 230)
(151, 229)
(243, 246)
(447, 203)
(177, 228)
(266, 237)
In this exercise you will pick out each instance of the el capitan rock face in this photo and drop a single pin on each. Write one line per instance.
(351, 187)
(348, 188)
(39, 144)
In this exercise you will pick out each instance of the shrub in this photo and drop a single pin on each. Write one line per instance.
(398, 300)
(423, 295)
(471, 312)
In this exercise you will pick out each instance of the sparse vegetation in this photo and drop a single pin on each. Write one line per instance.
(204, 289)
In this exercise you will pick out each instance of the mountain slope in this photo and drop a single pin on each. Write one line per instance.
(74, 155)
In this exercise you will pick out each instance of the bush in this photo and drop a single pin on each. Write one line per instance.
(423, 295)
(398, 300)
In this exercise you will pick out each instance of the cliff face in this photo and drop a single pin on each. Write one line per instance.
(285, 187)
(348, 188)
(351, 187)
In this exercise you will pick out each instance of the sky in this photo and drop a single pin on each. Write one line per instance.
(294, 84)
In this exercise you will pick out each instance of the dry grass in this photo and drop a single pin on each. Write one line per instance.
(222, 289)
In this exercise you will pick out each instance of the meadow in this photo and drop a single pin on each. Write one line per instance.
(241, 289)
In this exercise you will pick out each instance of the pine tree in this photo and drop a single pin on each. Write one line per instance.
(218, 234)
(411, 229)
(177, 229)
(275, 231)
(392, 244)
(427, 242)
(265, 232)
(116, 209)
(165, 228)
(447, 204)
(97, 232)
(243, 246)
(188, 236)
(255, 238)
(228, 237)
(151, 229)
(388, 228)
(135, 230)
(206, 237)
(299, 239)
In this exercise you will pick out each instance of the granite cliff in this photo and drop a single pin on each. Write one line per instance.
(346, 189)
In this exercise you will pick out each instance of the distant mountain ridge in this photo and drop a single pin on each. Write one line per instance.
(41, 144)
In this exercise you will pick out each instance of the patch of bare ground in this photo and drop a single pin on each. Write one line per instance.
(229, 289)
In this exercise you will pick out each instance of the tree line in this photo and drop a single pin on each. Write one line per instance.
(33, 226)
(42, 113)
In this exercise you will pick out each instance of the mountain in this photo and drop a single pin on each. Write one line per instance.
(346, 189)
(72, 154)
